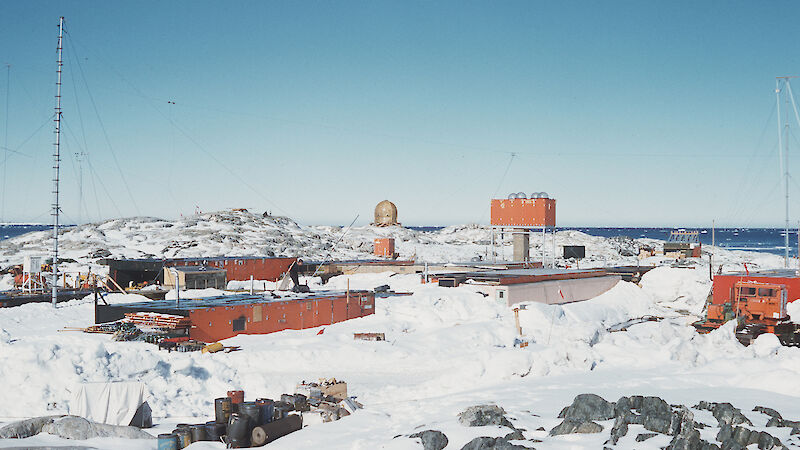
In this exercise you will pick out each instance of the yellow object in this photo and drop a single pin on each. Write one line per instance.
(213, 348)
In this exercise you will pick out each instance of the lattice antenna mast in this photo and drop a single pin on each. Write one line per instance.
(783, 144)
(80, 158)
(56, 165)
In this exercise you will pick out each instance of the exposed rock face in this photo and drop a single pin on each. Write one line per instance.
(432, 439)
(579, 417)
(25, 428)
(488, 443)
(651, 413)
(487, 415)
(569, 426)
(69, 427)
(483, 415)
(73, 427)
(588, 407)
(659, 417)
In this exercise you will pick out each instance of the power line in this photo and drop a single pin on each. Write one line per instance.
(108, 140)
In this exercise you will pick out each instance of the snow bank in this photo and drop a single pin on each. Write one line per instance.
(680, 289)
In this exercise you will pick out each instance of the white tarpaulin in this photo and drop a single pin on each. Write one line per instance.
(111, 403)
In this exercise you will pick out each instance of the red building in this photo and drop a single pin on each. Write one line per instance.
(126, 271)
(216, 318)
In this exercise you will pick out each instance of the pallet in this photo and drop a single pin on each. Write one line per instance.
(158, 320)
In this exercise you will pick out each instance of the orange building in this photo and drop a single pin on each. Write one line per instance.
(522, 212)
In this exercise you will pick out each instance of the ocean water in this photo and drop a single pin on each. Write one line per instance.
(768, 240)
(13, 230)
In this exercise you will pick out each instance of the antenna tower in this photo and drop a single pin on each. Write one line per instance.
(785, 147)
(56, 164)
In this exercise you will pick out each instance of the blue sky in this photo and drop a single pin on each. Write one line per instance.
(628, 113)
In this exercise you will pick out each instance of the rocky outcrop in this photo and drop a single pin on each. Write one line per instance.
(432, 439)
(69, 427)
(659, 417)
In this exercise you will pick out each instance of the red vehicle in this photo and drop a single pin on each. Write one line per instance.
(760, 307)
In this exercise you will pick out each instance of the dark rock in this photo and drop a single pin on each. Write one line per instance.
(515, 435)
(619, 429)
(540, 429)
(704, 405)
(432, 439)
(725, 433)
(634, 419)
(641, 437)
(654, 406)
(768, 411)
(483, 415)
(741, 436)
(587, 407)
(657, 424)
(100, 253)
(569, 426)
(636, 401)
(730, 444)
(682, 421)
(691, 441)
(622, 407)
(795, 430)
(767, 441)
(726, 413)
(488, 443)
(775, 422)
(563, 412)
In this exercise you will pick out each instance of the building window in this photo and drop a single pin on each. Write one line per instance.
(766, 292)
(239, 324)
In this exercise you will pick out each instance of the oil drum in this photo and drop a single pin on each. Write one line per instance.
(222, 409)
(198, 432)
(167, 441)
(267, 410)
(215, 430)
(184, 437)
(238, 431)
(264, 434)
(251, 410)
(236, 396)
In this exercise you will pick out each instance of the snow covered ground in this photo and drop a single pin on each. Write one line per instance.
(446, 348)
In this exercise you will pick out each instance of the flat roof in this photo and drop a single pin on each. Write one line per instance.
(107, 261)
(188, 304)
(518, 276)
(776, 273)
(196, 269)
